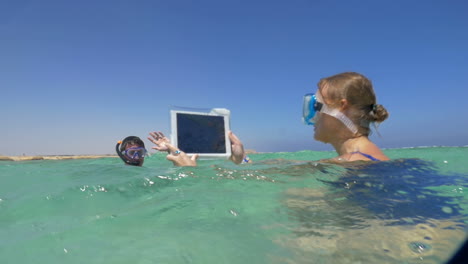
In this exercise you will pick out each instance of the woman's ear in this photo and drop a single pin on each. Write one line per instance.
(343, 104)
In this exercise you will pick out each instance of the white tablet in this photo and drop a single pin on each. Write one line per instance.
(202, 132)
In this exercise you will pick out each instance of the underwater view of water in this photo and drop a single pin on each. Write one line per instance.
(283, 208)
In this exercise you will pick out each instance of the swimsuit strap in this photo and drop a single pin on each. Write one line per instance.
(365, 155)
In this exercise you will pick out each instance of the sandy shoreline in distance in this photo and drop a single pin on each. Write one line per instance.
(52, 157)
(67, 157)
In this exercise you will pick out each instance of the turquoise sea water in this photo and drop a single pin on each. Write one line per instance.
(284, 208)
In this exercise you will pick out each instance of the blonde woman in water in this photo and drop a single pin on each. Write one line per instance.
(342, 110)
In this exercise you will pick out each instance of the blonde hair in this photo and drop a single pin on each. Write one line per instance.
(358, 91)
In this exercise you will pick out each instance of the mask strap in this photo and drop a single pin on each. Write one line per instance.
(376, 126)
(340, 116)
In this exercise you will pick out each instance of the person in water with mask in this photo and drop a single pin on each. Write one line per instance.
(131, 150)
(342, 110)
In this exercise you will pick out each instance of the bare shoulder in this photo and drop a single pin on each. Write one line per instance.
(370, 153)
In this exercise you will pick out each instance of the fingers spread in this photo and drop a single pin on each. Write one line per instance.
(156, 136)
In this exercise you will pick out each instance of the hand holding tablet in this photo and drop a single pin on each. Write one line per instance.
(181, 159)
(237, 148)
(199, 133)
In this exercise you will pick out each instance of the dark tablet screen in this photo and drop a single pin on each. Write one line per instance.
(201, 133)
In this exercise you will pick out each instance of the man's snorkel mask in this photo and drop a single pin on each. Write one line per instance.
(131, 156)
(312, 105)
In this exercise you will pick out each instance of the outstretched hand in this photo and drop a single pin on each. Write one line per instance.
(237, 149)
(179, 158)
(159, 140)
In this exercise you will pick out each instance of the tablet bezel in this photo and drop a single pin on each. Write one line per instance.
(213, 112)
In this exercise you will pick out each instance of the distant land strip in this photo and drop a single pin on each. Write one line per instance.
(68, 157)
(54, 157)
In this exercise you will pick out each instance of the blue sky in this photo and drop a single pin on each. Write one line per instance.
(76, 76)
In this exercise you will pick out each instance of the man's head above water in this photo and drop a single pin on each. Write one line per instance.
(131, 150)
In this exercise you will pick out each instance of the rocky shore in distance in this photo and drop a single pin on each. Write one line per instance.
(54, 157)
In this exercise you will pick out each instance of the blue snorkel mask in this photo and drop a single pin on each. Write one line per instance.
(310, 108)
